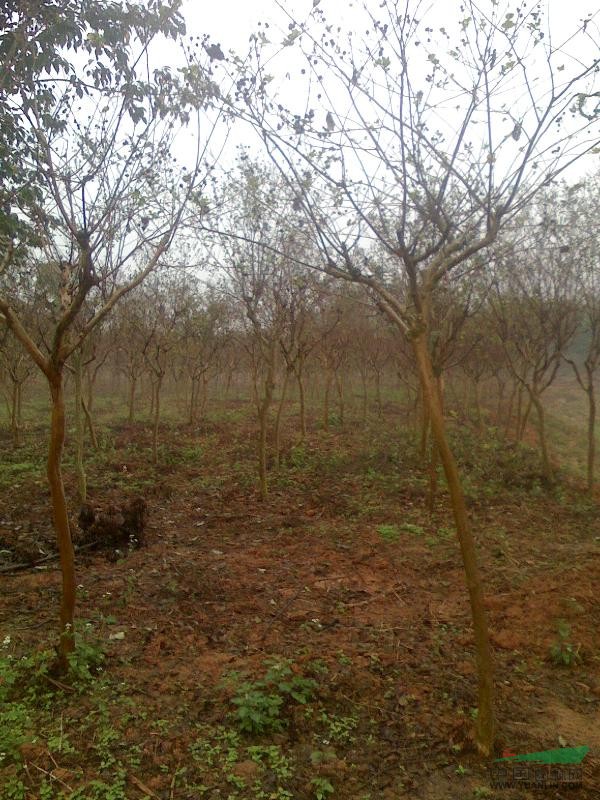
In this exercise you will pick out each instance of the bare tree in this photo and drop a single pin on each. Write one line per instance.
(580, 210)
(406, 137)
(535, 314)
(255, 279)
(107, 201)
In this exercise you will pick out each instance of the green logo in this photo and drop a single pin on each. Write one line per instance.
(562, 755)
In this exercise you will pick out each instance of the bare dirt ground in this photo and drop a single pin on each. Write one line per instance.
(343, 576)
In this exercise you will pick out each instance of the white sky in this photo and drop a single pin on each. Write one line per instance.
(230, 22)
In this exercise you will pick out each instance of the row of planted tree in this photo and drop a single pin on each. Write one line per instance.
(419, 161)
(497, 342)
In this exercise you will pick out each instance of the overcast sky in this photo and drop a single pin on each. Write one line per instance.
(231, 22)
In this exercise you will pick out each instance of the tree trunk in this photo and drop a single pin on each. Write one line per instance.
(424, 428)
(591, 448)
(204, 395)
(378, 393)
(156, 408)
(500, 404)
(300, 379)
(90, 424)
(534, 400)
(91, 380)
(192, 416)
(61, 519)
(15, 414)
(132, 387)
(277, 430)
(519, 412)
(340, 392)
(365, 398)
(263, 404)
(485, 716)
(79, 429)
(326, 401)
(434, 455)
(477, 399)
(152, 397)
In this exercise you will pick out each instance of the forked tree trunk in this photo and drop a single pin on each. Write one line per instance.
(61, 519)
(485, 716)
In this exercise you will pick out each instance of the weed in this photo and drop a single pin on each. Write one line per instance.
(100, 790)
(339, 729)
(15, 725)
(416, 530)
(87, 660)
(259, 703)
(390, 533)
(344, 660)
(298, 457)
(318, 667)
(15, 789)
(563, 652)
(322, 788)
(273, 758)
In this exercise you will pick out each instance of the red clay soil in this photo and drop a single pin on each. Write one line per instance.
(383, 626)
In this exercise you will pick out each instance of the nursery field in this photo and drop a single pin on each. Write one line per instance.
(314, 645)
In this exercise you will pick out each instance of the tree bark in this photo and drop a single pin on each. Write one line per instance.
(340, 392)
(156, 409)
(424, 432)
(365, 399)
(484, 733)
(326, 401)
(193, 391)
(90, 424)
(277, 431)
(301, 394)
(132, 387)
(204, 395)
(79, 429)
(591, 448)
(534, 400)
(15, 413)
(61, 518)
